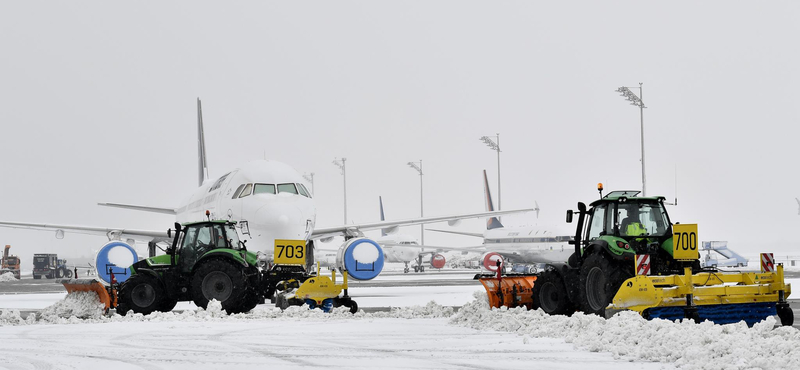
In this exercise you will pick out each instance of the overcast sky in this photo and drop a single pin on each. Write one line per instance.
(97, 104)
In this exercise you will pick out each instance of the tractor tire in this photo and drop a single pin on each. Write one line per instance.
(251, 300)
(60, 273)
(167, 305)
(600, 279)
(550, 294)
(786, 315)
(141, 293)
(68, 275)
(37, 277)
(221, 280)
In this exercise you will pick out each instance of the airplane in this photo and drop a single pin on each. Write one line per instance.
(521, 245)
(405, 248)
(267, 199)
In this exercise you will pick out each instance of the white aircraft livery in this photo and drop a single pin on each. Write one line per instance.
(526, 245)
(269, 202)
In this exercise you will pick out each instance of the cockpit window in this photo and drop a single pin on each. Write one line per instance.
(287, 188)
(247, 189)
(238, 191)
(303, 190)
(264, 189)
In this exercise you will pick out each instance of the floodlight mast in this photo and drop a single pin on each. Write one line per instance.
(495, 146)
(421, 227)
(637, 101)
(310, 178)
(341, 165)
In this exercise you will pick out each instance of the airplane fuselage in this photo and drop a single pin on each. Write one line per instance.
(528, 245)
(267, 198)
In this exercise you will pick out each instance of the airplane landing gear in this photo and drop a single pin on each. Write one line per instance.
(406, 269)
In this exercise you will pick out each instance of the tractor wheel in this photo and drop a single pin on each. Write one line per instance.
(141, 294)
(37, 277)
(221, 280)
(251, 300)
(60, 273)
(786, 315)
(167, 305)
(550, 294)
(600, 279)
(68, 274)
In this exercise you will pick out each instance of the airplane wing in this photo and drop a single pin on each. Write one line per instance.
(432, 248)
(477, 235)
(122, 233)
(169, 211)
(356, 229)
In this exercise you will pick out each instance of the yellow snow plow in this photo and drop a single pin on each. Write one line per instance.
(317, 292)
(106, 294)
(722, 297)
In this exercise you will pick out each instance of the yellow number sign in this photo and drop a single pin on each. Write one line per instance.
(290, 252)
(684, 242)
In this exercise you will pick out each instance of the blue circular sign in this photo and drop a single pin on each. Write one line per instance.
(115, 257)
(363, 259)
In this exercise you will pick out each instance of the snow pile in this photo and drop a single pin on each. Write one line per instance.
(82, 305)
(628, 336)
(8, 276)
(12, 317)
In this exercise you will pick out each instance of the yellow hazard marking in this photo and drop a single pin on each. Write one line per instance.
(684, 240)
(290, 252)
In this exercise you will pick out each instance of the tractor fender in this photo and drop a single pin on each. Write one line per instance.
(602, 246)
(146, 271)
(229, 254)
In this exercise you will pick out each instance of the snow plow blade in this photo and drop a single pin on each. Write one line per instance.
(90, 285)
(509, 290)
(719, 297)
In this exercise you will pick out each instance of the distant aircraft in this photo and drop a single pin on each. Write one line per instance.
(405, 248)
(798, 205)
(269, 201)
(524, 245)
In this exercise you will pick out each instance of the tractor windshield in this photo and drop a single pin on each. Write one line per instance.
(233, 237)
(642, 219)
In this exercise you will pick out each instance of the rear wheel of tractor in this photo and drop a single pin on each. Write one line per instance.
(221, 280)
(251, 300)
(60, 273)
(786, 315)
(600, 280)
(550, 294)
(167, 305)
(141, 294)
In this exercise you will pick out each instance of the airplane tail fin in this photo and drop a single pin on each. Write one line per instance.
(492, 223)
(380, 201)
(202, 165)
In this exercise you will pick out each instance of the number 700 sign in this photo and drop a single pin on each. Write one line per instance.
(684, 242)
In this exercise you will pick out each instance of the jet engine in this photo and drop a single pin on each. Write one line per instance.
(362, 258)
(115, 257)
(438, 261)
(489, 260)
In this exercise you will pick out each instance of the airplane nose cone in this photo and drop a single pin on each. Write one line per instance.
(278, 220)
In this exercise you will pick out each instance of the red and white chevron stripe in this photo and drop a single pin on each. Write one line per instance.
(642, 264)
(767, 262)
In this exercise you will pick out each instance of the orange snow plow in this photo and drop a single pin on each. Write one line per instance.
(106, 294)
(512, 290)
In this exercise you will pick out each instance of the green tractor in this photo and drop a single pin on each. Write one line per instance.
(627, 239)
(205, 262)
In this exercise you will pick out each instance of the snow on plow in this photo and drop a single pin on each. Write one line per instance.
(720, 297)
(106, 295)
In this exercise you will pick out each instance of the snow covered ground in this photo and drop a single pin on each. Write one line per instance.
(71, 333)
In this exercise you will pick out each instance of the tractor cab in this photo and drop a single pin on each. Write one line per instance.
(194, 240)
(628, 224)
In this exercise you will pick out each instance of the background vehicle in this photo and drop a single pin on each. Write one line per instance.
(10, 263)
